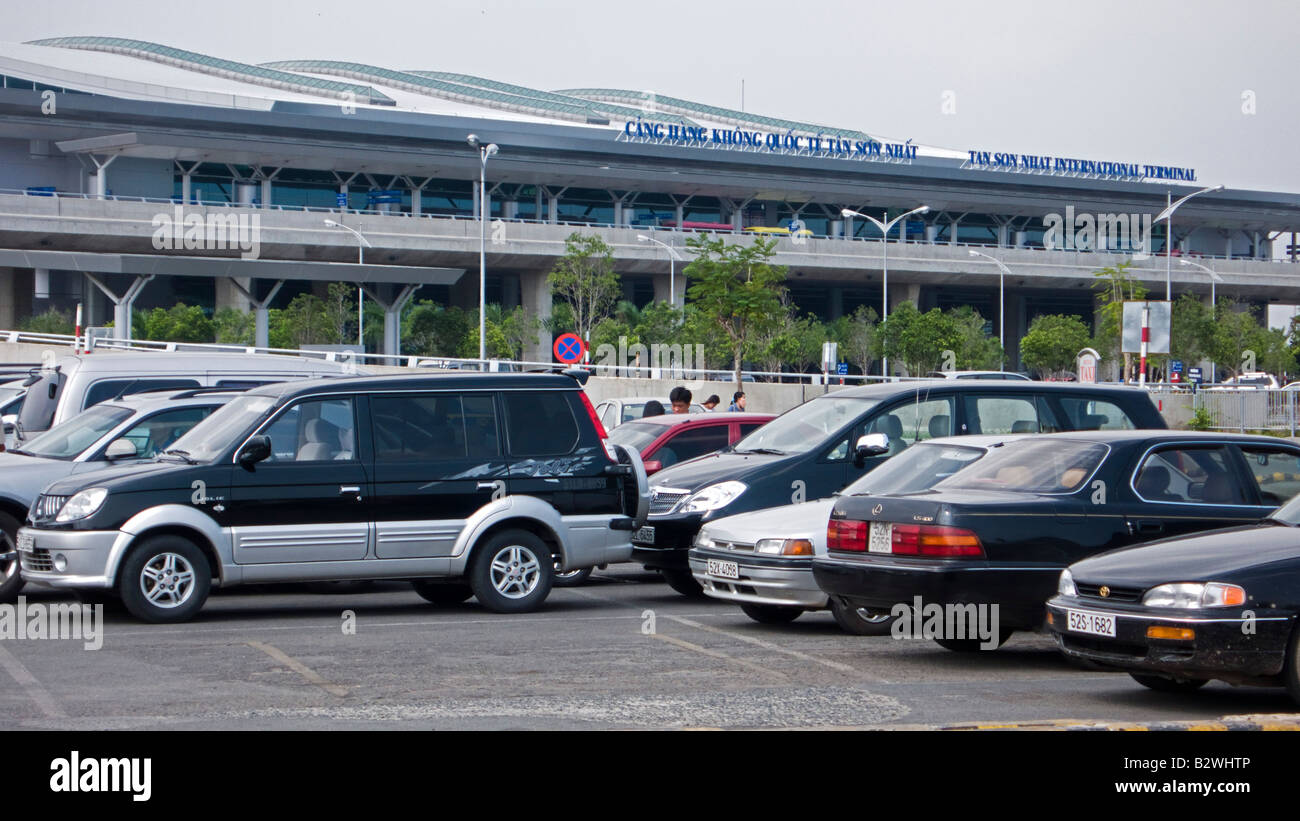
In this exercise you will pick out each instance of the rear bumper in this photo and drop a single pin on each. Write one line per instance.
(763, 579)
(673, 538)
(878, 584)
(1222, 647)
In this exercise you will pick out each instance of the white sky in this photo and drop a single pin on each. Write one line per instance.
(1153, 81)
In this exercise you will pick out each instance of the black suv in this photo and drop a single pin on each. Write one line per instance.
(828, 442)
(466, 484)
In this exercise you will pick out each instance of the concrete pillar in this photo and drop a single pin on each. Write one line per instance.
(1003, 230)
(771, 217)
(186, 188)
(417, 201)
(1021, 238)
(835, 310)
(537, 203)
(900, 292)
(266, 192)
(15, 297)
(553, 209)
(679, 215)
(952, 236)
(835, 228)
(229, 294)
(931, 233)
(618, 212)
(476, 199)
(535, 295)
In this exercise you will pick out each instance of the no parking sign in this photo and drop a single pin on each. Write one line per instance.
(569, 348)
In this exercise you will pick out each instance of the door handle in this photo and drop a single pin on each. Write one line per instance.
(486, 486)
(1146, 527)
(346, 489)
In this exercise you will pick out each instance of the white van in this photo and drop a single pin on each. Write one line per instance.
(81, 380)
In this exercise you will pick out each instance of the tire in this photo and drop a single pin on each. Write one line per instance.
(11, 578)
(572, 578)
(854, 621)
(771, 613)
(1291, 672)
(1169, 685)
(683, 582)
(143, 580)
(443, 593)
(512, 572)
(971, 645)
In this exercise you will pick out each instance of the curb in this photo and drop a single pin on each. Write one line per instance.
(1279, 722)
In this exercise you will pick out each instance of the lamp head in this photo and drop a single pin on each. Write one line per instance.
(331, 223)
(472, 139)
(642, 238)
(924, 209)
(848, 212)
(491, 149)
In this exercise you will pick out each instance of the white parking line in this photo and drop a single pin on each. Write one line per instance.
(299, 668)
(24, 678)
(686, 645)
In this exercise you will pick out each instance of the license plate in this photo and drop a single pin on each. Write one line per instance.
(645, 535)
(26, 541)
(1090, 623)
(724, 570)
(882, 538)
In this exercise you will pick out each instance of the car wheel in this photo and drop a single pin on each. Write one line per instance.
(512, 572)
(859, 621)
(1169, 685)
(771, 613)
(11, 579)
(683, 582)
(972, 645)
(443, 593)
(572, 578)
(165, 579)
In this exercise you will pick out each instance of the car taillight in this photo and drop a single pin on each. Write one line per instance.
(591, 412)
(846, 534)
(935, 540)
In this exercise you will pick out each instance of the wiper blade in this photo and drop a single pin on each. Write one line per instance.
(772, 451)
(184, 454)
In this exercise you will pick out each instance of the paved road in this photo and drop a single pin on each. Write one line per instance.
(279, 658)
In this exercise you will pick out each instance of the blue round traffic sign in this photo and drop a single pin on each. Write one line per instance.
(569, 348)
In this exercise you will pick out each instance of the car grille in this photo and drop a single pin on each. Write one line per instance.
(38, 558)
(47, 507)
(722, 544)
(663, 500)
(1120, 594)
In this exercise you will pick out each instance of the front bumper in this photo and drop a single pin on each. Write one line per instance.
(878, 584)
(87, 555)
(673, 537)
(763, 579)
(1221, 649)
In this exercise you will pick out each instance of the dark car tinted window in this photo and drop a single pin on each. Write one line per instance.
(1095, 414)
(1002, 414)
(109, 388)
(320, 430)
(431, 427)
(539, 423)
(1276, 472)
(691, 443)
(160, 431)
(1197, 474)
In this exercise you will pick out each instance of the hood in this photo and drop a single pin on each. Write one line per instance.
(718, 467)
(138, 476)
(802, 521)
(22, 477)
(1212, 556)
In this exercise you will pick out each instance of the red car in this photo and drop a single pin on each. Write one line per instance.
(675, 437)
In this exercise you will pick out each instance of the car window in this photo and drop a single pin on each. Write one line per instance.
(433, 427)
(318, 430)
(1095, 414)
(160, 431)
(1000, 415)
(806, 427)
(1197, 474)
(749, 427)
(635, 434)
(916, 470)
(109, 388)
(1276, 472)
(539, 423)
(67, 440)
(691, 443)
(1033, 466)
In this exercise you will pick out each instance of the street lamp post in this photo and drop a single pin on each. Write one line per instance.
(1003, 271)
(672, 257)
(1214, 304)
(884, 237)
(1168, 216)
(484, 152)
(362, 245)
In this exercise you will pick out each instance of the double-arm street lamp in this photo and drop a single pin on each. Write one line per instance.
(672, 257)
(1168, 216)
(884, 236)
(362, 245)
(1003, 273)
(484, 152)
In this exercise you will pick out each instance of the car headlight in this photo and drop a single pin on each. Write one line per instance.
(784, 547)
(713, 497)
(1195, 594)
(704, 541)
(1065, 586)
(81, 505)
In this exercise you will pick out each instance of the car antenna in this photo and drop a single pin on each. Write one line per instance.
(125, 388)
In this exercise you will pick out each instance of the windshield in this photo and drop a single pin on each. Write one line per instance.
(1288, 513)
(209, 438)
(635, 435)
(67, 440)
(1040, 466)
(806, 427)
(918, 468)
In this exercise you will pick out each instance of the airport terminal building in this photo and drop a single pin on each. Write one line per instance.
(137, 174)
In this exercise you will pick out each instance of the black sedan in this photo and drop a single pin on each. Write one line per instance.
(1179, 612)
(990, 542)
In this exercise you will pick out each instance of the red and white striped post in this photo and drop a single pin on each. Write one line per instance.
(76, 341)
(1146, 337)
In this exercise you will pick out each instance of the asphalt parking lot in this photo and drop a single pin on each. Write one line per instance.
(623, 651)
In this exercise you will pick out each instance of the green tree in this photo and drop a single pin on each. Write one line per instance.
(976, 350)
(431, 329)
(857, 338)
(584, 279)
(737, 287)
(304, 321)
(232, 326)
(1236, 336)
(180, 323)
(52, 321)
(1114, 286)
(916, 339)
(1053, 343)
(1191, 329)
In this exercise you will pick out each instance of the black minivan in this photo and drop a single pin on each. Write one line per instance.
(826, 443)
(466, 484)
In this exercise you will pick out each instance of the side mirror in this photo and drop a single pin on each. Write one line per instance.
(9, 420)
(255, 450)
(872, 444)
(653, 467)
(121, 449)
